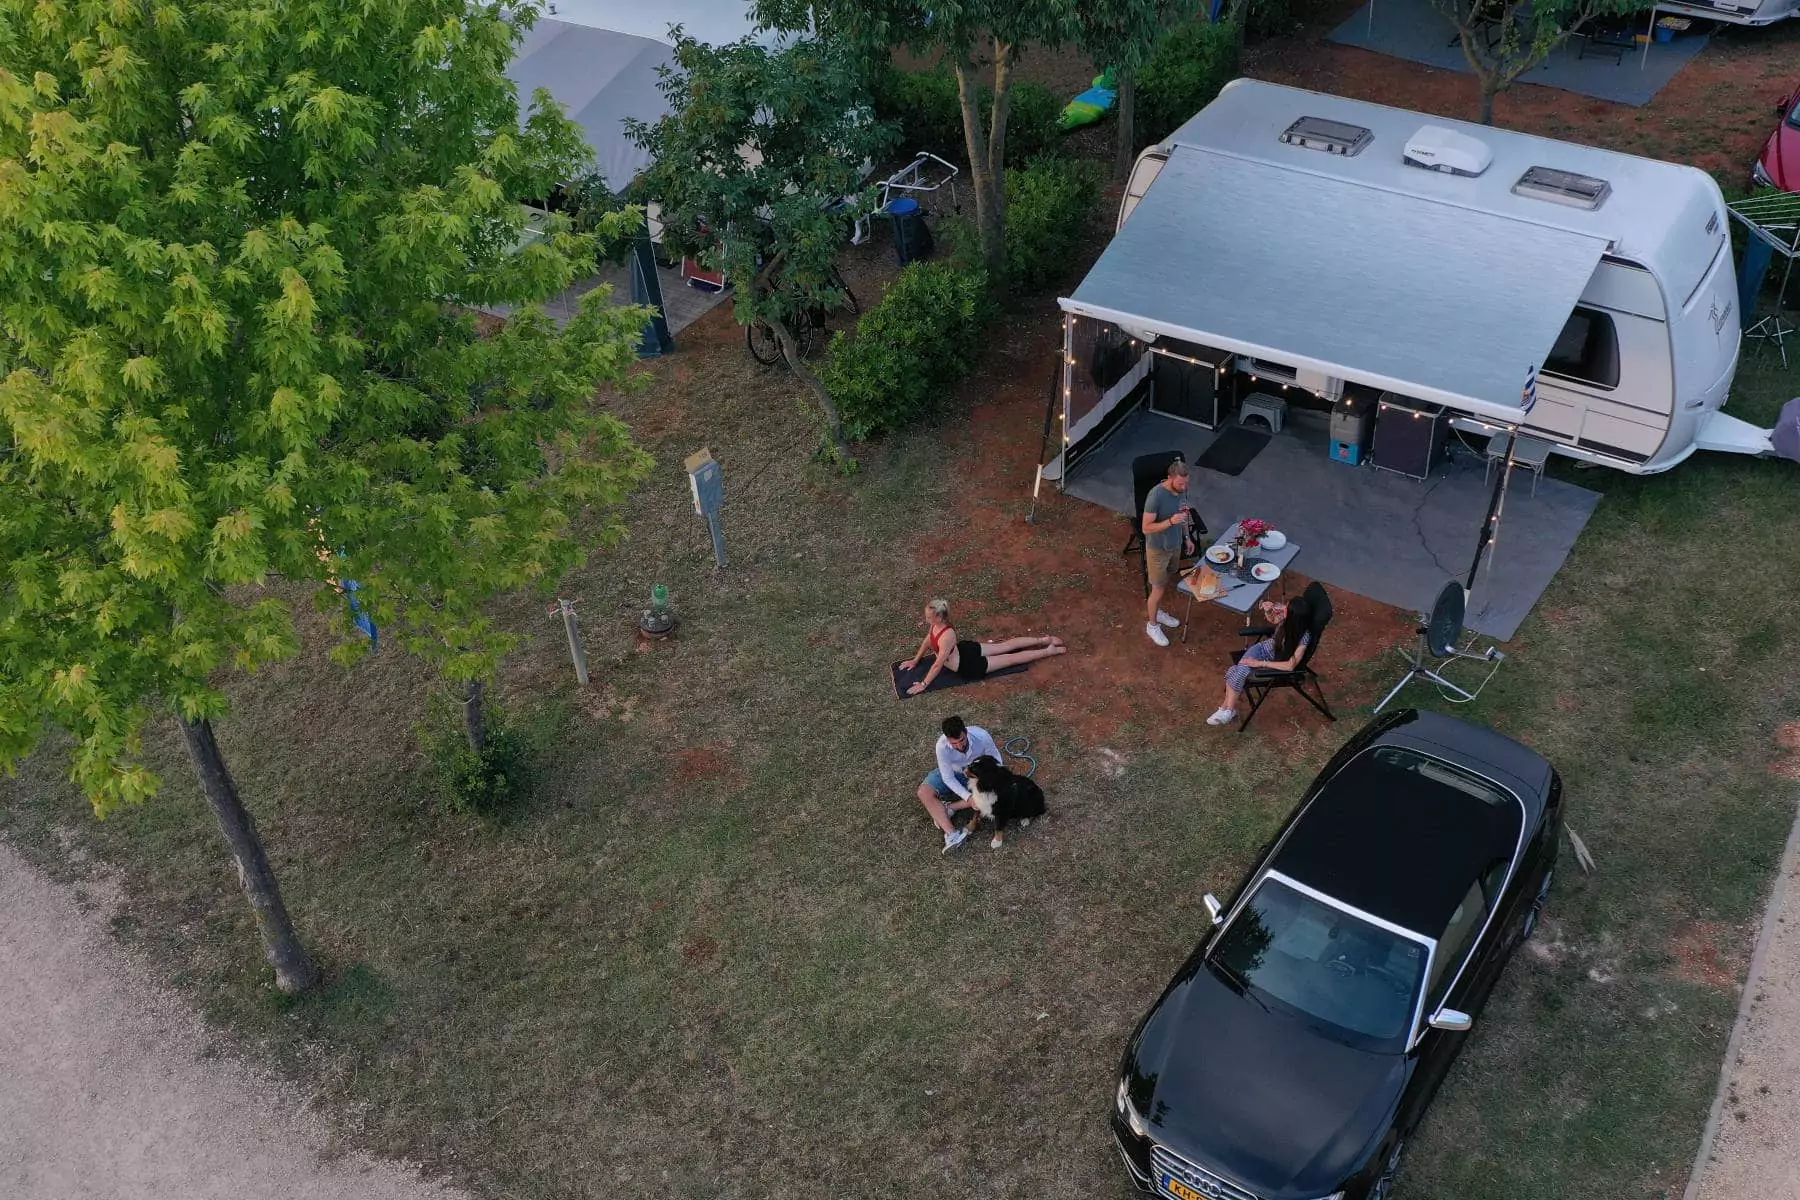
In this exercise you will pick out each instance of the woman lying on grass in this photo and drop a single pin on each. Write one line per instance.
(970, 659)
(1283, 652)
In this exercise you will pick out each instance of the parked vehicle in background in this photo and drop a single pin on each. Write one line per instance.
(1298, 1047)
(1779, 166)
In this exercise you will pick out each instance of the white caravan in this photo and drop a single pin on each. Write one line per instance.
(1578, 295)
(1734, 12)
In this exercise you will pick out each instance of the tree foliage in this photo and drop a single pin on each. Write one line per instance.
(758, 149)
(1503, 39)
(235, 236)
(980, 40)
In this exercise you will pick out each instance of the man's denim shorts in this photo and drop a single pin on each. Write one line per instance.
(935, 781)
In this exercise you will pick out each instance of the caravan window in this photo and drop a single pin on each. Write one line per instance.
(1587, 350)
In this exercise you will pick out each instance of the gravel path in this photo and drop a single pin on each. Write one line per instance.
(1752, 1146)
(105, 1095)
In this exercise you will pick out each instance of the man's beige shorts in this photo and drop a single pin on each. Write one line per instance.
(1161, 565)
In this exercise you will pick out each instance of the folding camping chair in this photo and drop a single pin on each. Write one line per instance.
(1262, 682)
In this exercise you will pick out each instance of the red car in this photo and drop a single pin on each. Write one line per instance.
(1779, 166)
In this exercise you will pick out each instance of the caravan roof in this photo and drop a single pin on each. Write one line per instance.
(1656, 213)
(1357, 266)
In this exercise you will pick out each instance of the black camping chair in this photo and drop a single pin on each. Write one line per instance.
(1148, 470)
(1262, 682)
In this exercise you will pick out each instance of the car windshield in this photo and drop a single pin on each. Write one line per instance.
(1355, 980)
(1793, 113)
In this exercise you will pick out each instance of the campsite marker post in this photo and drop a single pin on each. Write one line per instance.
(566, 610)
(709, 496)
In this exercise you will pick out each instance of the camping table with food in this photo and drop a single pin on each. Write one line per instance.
(1218, 579)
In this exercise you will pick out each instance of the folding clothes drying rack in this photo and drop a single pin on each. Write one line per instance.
(1775, 220)
(916, 176)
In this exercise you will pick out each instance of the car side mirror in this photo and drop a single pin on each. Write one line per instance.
(1214, 908)
(1451, 1021)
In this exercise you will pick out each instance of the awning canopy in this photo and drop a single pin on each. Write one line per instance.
(1411, 295)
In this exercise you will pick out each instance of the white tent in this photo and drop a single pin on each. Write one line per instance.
(599, 58)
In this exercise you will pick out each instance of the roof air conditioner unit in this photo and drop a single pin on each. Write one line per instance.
(1438, 149)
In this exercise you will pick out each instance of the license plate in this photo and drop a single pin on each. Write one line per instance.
(1180, 1190)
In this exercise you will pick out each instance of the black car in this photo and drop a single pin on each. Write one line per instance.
(1299, 1045)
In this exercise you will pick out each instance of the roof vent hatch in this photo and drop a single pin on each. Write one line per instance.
(1333, 137)
(1563, 187)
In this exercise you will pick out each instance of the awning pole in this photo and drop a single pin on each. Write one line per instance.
(1058, 396)
(1490, 524)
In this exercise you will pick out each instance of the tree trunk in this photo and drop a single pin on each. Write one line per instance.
(294, 969)
(981, 180)
(1125, 154)
(1487, 103)
(474, 715)
(834, 424)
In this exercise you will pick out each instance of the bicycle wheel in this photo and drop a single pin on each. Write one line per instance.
(765, 347)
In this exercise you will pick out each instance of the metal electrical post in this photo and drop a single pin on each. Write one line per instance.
(709, 496)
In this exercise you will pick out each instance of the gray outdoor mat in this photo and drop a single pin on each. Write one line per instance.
(1389, 537)
(1414, 30)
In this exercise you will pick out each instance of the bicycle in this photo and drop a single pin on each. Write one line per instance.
(807, 325)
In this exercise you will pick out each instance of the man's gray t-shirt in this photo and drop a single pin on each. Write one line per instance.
(1160, 505)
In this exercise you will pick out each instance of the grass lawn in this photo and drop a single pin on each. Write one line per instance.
(719, 955)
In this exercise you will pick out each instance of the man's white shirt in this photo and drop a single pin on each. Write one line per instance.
(953, 763)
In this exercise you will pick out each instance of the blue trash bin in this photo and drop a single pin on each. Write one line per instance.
(912, 240)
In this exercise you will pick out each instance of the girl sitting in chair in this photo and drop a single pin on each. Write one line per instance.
(1282, 652)
(971, 659)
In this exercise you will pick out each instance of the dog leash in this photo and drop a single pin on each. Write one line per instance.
(1018, 747)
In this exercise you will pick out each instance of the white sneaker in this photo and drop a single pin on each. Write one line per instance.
(955, 838)
(1157, 635)
(1222, 716)
(1166, 621)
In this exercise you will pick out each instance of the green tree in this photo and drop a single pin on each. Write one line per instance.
(980, 39)
(757, 150)
(234, 236)
(1119, 35)
(1503, 39)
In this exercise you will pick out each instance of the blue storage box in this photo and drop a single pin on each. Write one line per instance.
(1347, 452)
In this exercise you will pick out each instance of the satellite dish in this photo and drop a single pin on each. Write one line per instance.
(1439, 633)
(1445, 625)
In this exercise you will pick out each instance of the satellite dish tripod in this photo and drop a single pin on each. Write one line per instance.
(1438, 635)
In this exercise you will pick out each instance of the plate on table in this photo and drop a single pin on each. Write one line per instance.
(1219, 555)
(1265, 572)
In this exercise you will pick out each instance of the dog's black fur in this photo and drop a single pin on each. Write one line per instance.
(1003, 797)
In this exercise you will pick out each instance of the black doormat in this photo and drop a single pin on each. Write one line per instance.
(1232, 450)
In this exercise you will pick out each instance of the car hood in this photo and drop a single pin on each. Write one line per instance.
(1260, 1096)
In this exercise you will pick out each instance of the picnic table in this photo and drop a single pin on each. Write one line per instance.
(1243, 589)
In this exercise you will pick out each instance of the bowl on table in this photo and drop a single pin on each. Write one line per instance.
(1274, 540)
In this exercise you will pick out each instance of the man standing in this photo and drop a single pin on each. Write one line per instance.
(946, 789)
(1166, 517)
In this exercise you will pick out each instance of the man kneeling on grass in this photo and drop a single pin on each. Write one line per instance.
(946, 789)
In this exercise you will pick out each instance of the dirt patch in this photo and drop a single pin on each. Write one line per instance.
(1787, 758)
(1699, 957)
(700, 950)
(703, 762)
(1715, 114)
